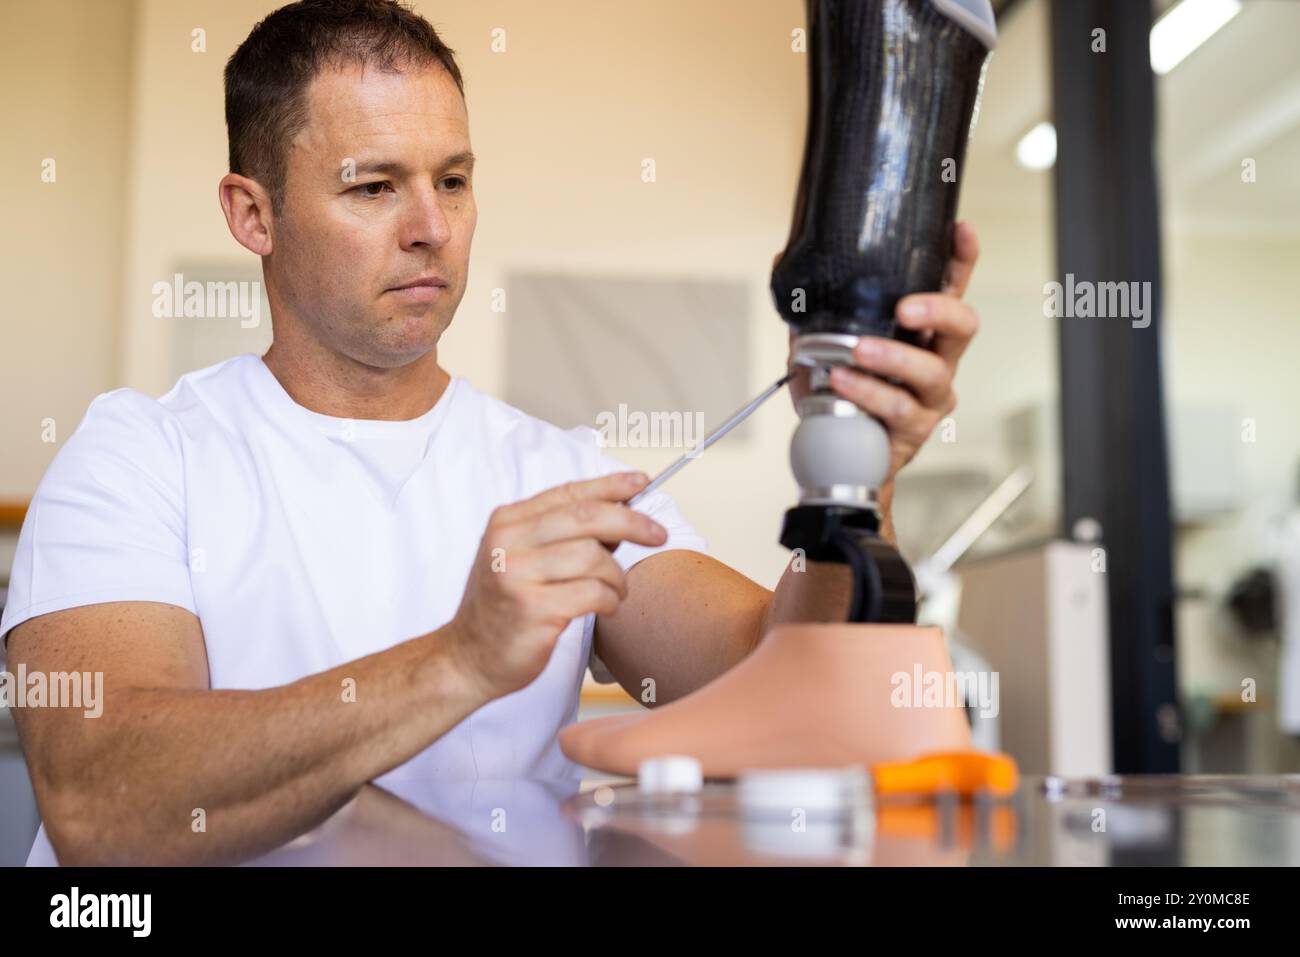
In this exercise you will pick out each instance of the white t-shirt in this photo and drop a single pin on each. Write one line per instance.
(303, 541)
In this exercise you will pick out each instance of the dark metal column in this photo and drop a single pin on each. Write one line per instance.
(1112, 409)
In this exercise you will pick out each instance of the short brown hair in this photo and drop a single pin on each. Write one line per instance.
(267, 77)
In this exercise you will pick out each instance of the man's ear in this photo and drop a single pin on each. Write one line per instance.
(247, 207)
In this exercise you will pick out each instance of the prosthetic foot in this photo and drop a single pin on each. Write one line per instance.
(810, 695)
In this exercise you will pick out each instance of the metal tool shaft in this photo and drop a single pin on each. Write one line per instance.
(739, 416)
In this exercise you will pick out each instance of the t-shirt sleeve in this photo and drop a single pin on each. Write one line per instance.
(107, 522)
(660, 506)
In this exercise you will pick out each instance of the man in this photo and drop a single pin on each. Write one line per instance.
(339, 563)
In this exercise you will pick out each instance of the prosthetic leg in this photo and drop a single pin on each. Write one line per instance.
(893, 85)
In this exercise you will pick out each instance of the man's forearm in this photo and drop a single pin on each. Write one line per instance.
(885, 500)
(199, 776)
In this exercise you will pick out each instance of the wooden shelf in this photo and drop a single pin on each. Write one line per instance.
(12, 513)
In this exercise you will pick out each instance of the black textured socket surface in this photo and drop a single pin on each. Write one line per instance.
(892, 84)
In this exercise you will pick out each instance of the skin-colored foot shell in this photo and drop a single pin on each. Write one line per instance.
(810, 695)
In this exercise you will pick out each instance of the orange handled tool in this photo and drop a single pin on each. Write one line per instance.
(965, 772)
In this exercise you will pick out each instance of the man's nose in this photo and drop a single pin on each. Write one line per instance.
(424, 223)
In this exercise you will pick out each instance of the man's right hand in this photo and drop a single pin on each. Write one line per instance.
(543, 562)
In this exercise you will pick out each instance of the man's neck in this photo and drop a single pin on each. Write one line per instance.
(335, 385)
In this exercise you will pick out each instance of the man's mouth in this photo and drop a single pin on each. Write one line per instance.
(421, 288)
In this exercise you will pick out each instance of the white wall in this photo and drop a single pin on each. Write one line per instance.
(64, 72)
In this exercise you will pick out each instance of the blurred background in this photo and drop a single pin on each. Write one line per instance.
(611, 277)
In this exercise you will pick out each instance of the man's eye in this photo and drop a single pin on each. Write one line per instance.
(459, 182)
(372, 189)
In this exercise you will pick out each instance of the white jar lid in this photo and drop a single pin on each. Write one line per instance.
(670, 774)
(815, 790)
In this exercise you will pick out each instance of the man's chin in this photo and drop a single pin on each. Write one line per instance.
(403, 338)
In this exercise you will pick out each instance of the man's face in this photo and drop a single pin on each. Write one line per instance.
(377, 196)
